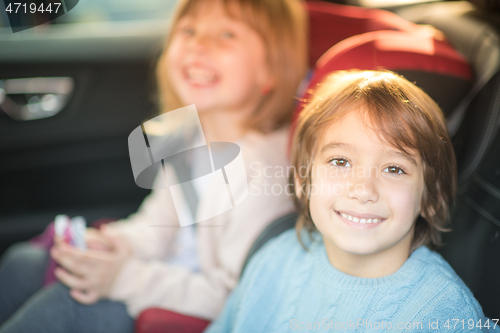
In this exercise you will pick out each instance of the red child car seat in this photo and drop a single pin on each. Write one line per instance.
(433, 64)
(331, 23)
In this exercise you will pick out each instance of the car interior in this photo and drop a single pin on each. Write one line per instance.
(67, 153)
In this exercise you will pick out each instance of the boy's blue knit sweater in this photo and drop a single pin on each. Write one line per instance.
(286, 289)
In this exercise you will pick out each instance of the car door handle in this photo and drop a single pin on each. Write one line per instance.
(34, 98)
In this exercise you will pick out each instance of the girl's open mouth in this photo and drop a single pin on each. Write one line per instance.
(200, 76)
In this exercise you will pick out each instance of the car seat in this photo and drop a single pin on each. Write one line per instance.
(433, 64)
(331, 23)
(473, 247)
(475, 34)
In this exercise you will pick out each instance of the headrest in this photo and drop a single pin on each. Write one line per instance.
(434, 65)
(330, 23)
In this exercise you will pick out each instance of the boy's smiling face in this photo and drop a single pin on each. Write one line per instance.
(365, 197)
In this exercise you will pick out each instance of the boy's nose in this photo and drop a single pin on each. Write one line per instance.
(363, 188)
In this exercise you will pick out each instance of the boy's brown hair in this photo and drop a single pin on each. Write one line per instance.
(282, 25)
(405, 117)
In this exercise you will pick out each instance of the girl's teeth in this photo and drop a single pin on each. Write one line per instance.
(358, 220)
(200, 76)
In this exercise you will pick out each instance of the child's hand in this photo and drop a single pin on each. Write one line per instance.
(91, 273)
(96, 240)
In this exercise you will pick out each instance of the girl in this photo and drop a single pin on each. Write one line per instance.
(380, 178)
(239, 62)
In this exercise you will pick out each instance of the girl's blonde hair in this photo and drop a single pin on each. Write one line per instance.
(405, 117)
(282, 26)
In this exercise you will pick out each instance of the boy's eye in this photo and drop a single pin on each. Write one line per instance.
(341, 162)
(394, 170)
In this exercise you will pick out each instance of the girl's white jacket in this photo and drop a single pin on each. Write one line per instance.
(223, 242)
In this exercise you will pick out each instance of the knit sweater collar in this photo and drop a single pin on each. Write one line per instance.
(338, 279)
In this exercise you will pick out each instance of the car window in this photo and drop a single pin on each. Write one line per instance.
(105, 11)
